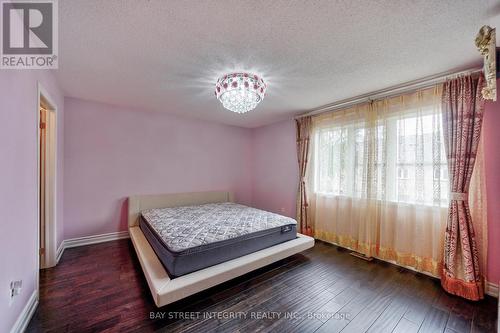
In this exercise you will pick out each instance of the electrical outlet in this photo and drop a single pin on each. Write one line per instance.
(15, 288)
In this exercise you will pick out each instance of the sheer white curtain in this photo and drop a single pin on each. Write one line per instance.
(379, 179)
(478, 207)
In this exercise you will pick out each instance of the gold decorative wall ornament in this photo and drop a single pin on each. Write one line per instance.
(486, 44)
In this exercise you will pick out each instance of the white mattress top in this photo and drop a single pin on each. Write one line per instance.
(187, 227)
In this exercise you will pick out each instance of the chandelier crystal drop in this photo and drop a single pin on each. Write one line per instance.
(240, 92)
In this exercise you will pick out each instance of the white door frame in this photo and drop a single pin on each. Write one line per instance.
(51, 224)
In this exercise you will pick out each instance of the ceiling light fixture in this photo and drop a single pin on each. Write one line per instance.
(240, 92)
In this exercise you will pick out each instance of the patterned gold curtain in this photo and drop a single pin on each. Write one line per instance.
(303, 131)
(463, 107)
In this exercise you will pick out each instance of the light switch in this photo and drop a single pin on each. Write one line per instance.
(15, 288)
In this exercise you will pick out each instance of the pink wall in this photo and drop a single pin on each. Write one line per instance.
(18, 191)
(111, 153)
(275, 169)
(491, 132)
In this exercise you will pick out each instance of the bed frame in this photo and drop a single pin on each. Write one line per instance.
(166, 290)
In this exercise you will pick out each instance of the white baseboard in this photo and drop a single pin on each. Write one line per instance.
(25, 316)
(81, 241)
(491, 289)
(88, 240)
(60, 251)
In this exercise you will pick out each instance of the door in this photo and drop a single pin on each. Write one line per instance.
(43, 183)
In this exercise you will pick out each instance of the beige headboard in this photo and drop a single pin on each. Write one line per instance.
(138, 203)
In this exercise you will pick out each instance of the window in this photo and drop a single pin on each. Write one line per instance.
(403, 173)
(397, 158)
(379, 179)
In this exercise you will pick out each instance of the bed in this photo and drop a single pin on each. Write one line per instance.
(178, 260)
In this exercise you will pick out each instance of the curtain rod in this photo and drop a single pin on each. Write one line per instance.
(425, 82)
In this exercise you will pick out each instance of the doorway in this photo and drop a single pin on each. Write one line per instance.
(47, 150)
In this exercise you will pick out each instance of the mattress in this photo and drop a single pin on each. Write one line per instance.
(190, 238)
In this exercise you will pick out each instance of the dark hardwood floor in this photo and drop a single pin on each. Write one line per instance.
(101, 288)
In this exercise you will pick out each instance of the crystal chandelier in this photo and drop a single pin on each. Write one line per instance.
(240, 92)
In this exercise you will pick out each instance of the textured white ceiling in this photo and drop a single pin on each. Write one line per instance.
(165, 56)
